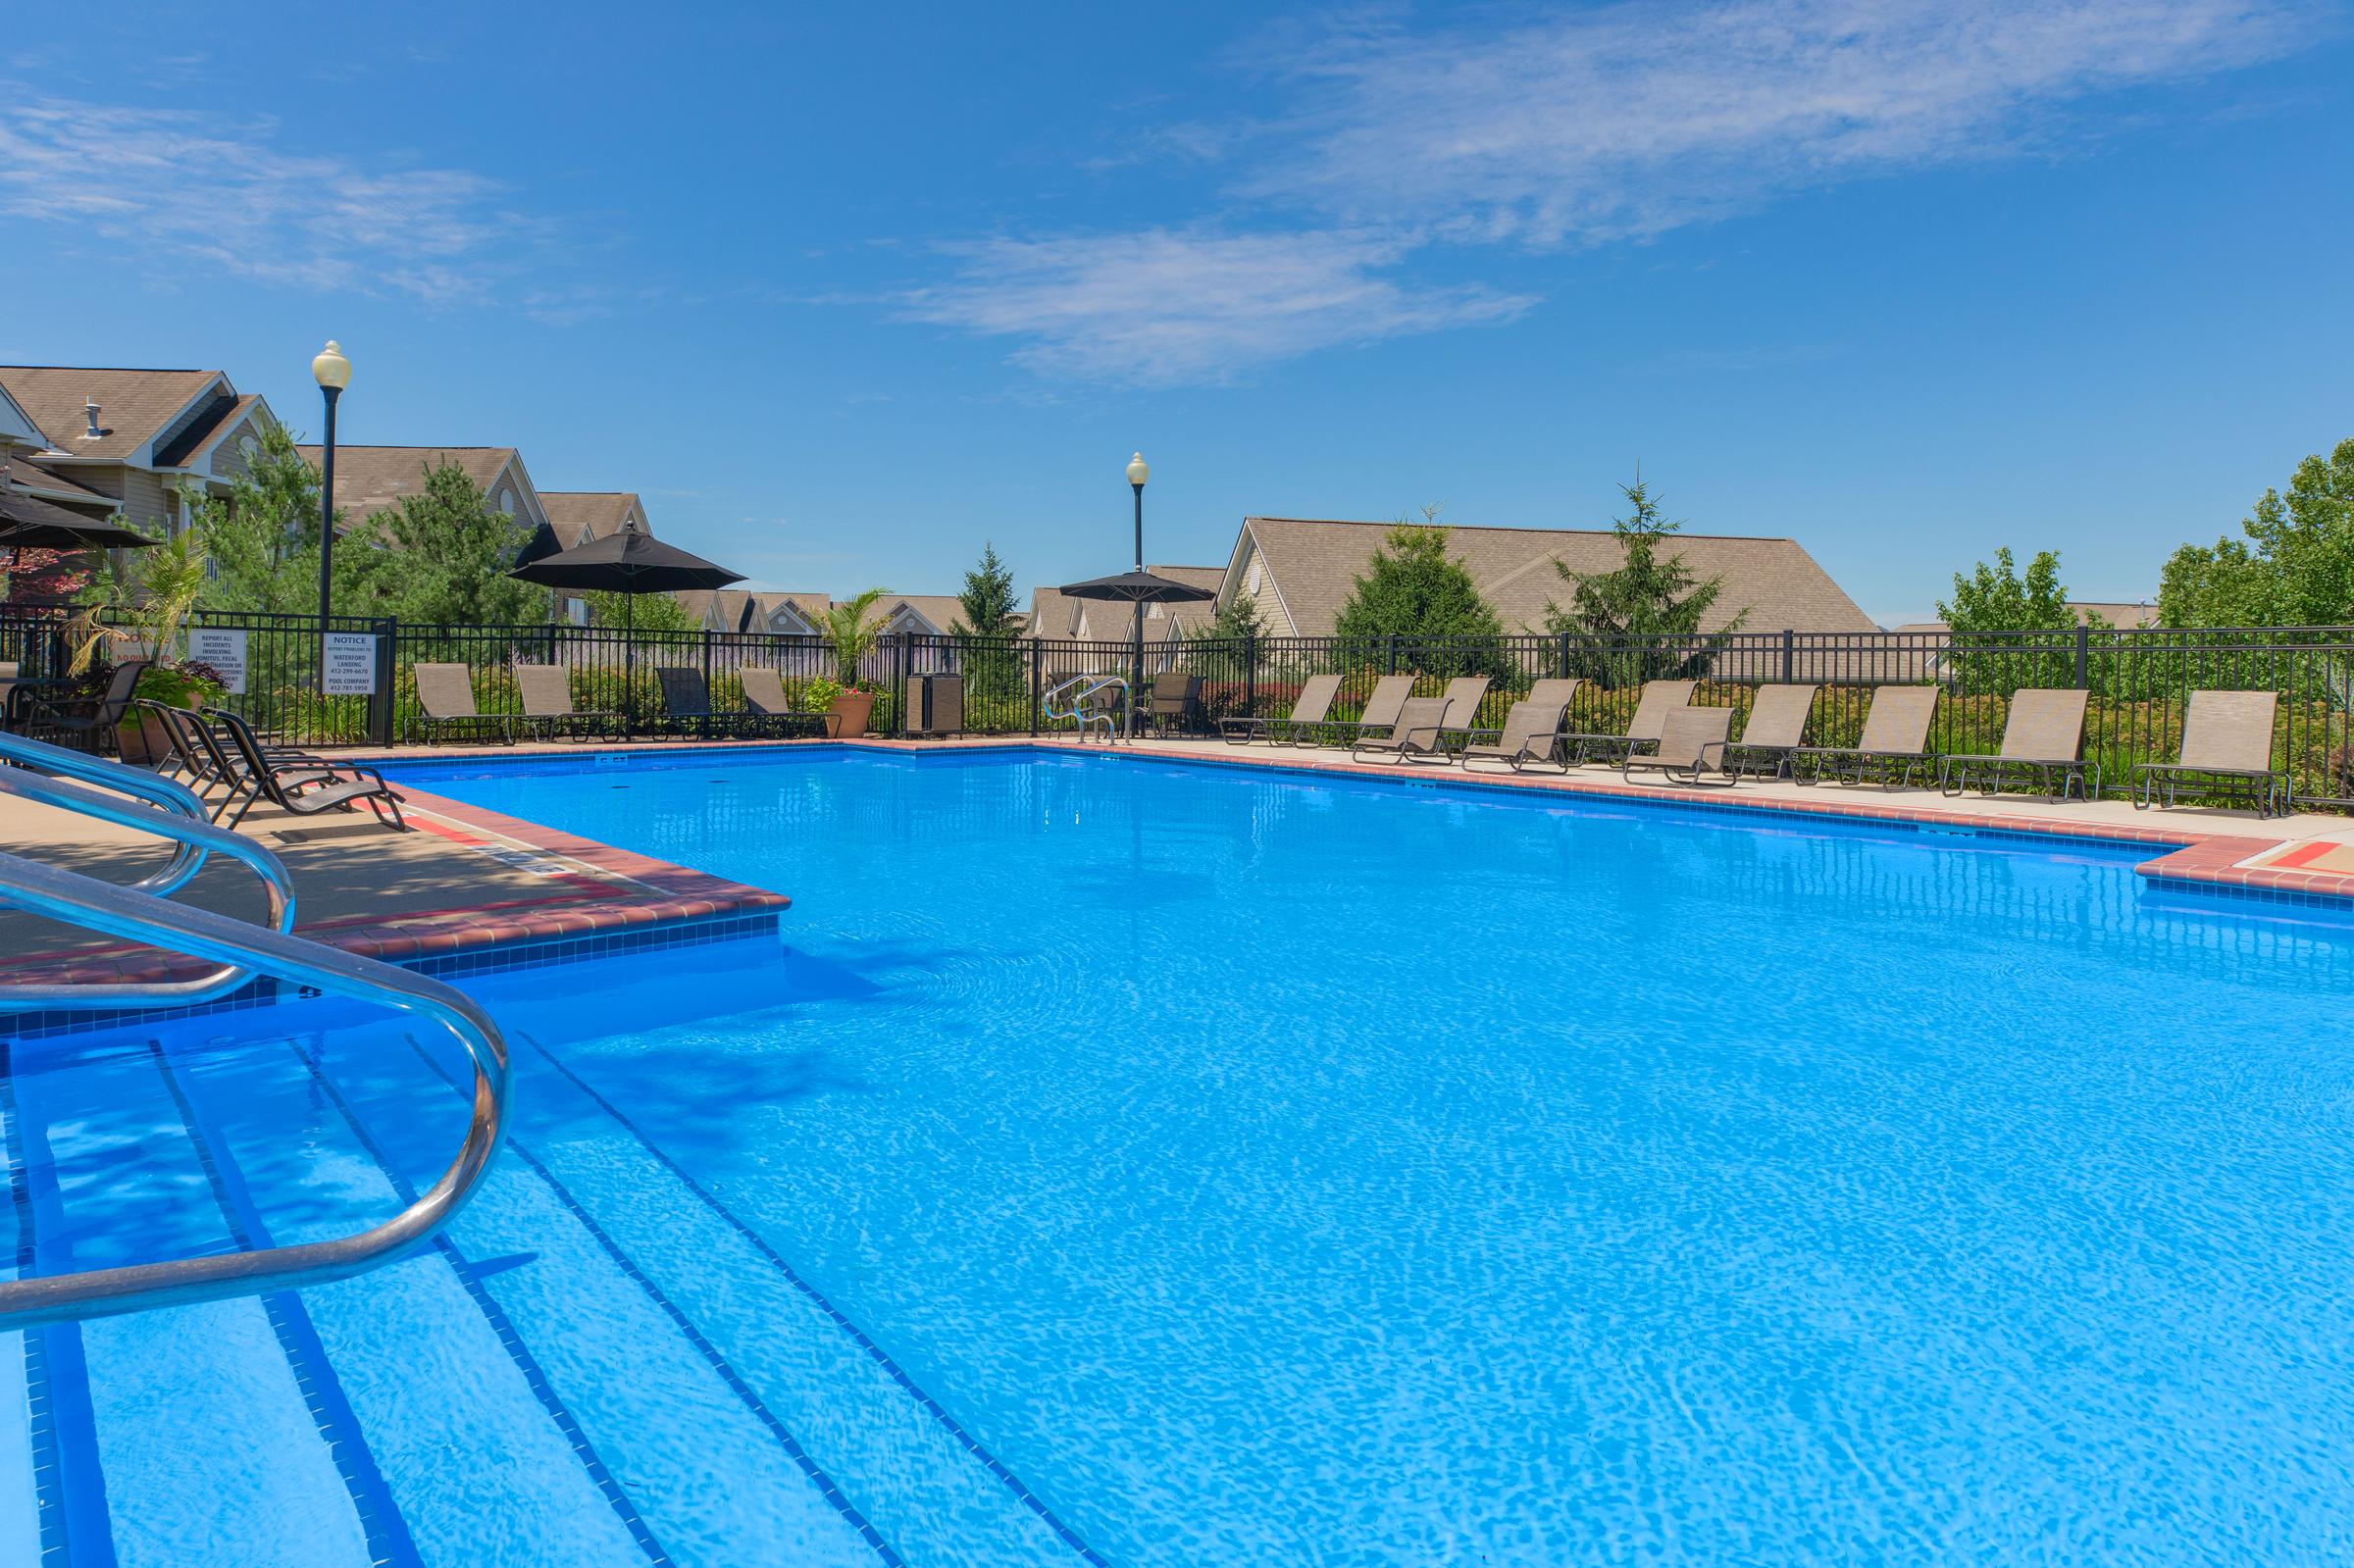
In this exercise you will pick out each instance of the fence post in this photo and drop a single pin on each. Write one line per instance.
(708, 668)
(1390, 659)
(1788, 637)
(899, 687)
(1037, 678)
(1249, 673)
(380, 701)
(2083, 655)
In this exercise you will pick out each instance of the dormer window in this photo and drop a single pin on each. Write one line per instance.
(506, 502)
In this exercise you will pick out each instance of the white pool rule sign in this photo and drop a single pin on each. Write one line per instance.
(224, 648)
(350, 667)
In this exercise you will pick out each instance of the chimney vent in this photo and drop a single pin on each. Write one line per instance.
(89, 409)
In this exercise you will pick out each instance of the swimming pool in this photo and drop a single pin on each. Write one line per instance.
(1161, 1163)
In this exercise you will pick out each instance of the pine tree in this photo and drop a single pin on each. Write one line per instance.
(984, 630)
(1413, 591)
(1640, 622)
(444, 554)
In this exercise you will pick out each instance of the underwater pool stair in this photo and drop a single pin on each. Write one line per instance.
(142, 912)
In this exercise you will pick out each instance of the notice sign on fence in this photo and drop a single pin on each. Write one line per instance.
(224, 648)
(350, 670)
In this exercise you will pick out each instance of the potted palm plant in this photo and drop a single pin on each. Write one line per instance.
(854, 637)
(148, 613)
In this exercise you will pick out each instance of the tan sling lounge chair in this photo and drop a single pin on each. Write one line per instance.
(1308, 710)
(1691, 747)
(1381, 708)
(1531, 731)
(1660, 698)
(1417, 737)
(2227, 739)
(1776, 727)
(547, 691)
(2043, 738)
(1895, 741)
(445, 693)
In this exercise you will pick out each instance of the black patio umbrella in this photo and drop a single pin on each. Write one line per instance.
(628, 563)
(1138, 588)
(28, 522)
(538, 547)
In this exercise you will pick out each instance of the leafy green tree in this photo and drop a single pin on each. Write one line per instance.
(1414, 591)
(1997, 598)
(1234, 621)
(1638, 623)
(441, 556)
(984, 629)
(263, 537)
(653, 612)
(2296, 567)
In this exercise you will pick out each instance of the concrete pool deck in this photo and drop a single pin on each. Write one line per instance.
(470, 880)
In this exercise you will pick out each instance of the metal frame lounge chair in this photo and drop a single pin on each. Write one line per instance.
(1176, 697)
(764, 697)
(686, 699)
(2226, 737)
(1308, 708)
(84, 723)
(1418, 736)
(1463, 696)
(446, 691)
(304, 789)
(1687, 740)
(1531, 729)
(1660, 698)
(1390, 694)
(1895, 741)
(2044, 736)
(207, 766)
(1776, 727)
(547, 691)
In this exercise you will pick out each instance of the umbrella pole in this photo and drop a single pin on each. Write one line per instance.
(629, 664)
(1139, 611)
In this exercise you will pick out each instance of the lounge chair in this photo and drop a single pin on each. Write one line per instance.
(1381, 709)
(1692, 745)
(1660, 699)
(87, 724)
(1463, 696)
(2043, 735)
(687, 700)
(2226, 736)
(1176, 698)
(764, 698)
(446, 691)
(1894, 742)
(1417, 737)
(547, 691)
(208, 768)
(1776, 727)
(1531, 729)
(302, 788)
(1307, 709)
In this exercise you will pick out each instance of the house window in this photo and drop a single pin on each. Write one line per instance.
(1257, 578)
(506, 502)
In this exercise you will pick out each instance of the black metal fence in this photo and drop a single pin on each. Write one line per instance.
(2139, 680)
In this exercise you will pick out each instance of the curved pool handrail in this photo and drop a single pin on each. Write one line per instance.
(278, 888)
(60, 762)
(99, 907)
(1074, 707)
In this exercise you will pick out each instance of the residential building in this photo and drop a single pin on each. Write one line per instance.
(1301, 571)
(1053, 615)
(745, 610)
(580, 516)
(371, 481)
(150, 440)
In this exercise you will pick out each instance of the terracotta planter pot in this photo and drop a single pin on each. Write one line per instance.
(850, 710)
(141, 739)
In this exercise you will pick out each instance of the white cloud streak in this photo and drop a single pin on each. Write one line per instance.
(1391, 148)
(197, 185)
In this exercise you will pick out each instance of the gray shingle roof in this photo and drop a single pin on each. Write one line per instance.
(372, 478)
(1313, 565)
(599, 512)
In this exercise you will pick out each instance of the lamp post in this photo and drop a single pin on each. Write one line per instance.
(1138, 472)
(332, 372)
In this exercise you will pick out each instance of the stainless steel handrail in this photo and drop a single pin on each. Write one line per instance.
(277, 886)
(58, 762)
(1090, 685)
(118, 911)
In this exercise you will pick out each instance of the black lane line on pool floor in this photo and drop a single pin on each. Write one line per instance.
(67, 1478)
(858, 1336)
(800, 1456)
(525, 1362)
(386, 1532)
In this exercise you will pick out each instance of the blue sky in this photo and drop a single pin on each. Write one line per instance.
(843, 296)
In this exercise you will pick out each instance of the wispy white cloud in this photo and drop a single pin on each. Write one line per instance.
(1165, 306)
(221, 190)
(1391, 150)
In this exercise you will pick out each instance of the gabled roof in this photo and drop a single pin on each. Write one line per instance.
(18, 427)
(135, 406)
(195, 438)
(579, 515)
(942, 611)
(721, 609)
(1314, 565)
(372, 478)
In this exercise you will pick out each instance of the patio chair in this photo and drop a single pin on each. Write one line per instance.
(1660, 699)
(1381, 710)
(1531, 733)
(764, 696)
(1776, 727)
(686, 701)
(303, 790)
(2226, 737)
(1417, 737)
(1463, 696)
(1895, 741)
(1690, 746)
(207, 769)
(2044, 737)
(547, 691)
(1176, 699)
(445, 693)
(87, 724)
(1308, 708)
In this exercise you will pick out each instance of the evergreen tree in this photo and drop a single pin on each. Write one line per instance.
(1414, 591)
(263, 537)
(1234, 621)
(442, 556)
(984, 630)
(1638, 623)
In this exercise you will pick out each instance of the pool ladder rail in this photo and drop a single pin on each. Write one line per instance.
(1078, 697)
(143, 912)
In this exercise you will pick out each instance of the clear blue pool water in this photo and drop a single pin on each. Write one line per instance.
(1160, 1165)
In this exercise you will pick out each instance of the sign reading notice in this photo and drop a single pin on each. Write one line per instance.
(223, 649)
(350, 667)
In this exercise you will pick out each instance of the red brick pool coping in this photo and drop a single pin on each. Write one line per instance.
(644, 893)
